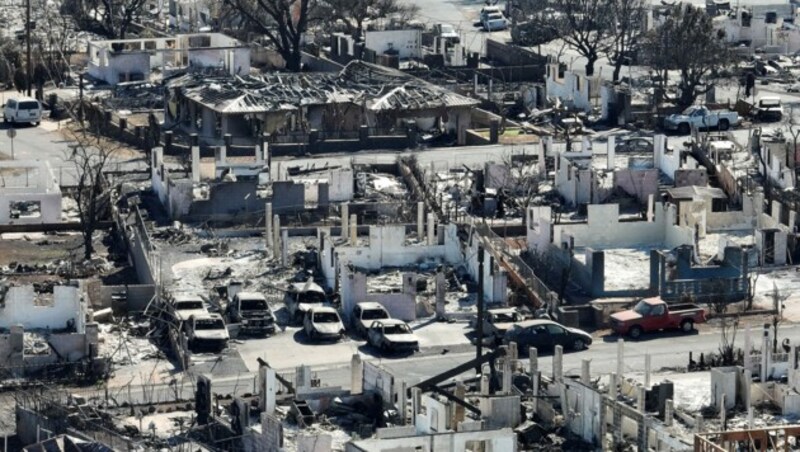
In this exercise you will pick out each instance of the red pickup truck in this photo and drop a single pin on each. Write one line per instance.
(653, 314)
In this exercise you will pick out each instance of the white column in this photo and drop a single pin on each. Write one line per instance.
(353, 230)
(420, 221)
(276, 233)
(748, 346)
(431, 229)
(620, 357)
(195, 164)
(647, 370)
(611, 154)
(345, 217)
(356, 374)
(285, 247)
(268, 225)
(669, 410)
(585, 375)
(558, 360)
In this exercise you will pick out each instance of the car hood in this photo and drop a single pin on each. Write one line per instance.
(626, 316)
(580, 333)
(328, 328)
(502, 327)
(218, 335)
(677, 117)
(402, 338)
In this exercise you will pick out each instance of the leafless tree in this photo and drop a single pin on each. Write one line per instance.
(90, 155)
(110, 18)
(687, 42)
(523, 181)
(627, 26)
(585, 25)
(283, 22)
(354, 13)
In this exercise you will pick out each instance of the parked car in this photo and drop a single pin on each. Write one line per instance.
(769, 109)
(301, 297)
(545, 335)
(635, 145)
(447, 32)
(653, 314)
(251, 311)
(206, 333)
(184, 306)
(498, 321)
(494, 22)
(392, 335)
(486, 11)
(702, 118)
(793, 88)
(323, 323)
(367, 312)
(23, 110)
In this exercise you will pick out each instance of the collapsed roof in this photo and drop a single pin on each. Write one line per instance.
(376, 88)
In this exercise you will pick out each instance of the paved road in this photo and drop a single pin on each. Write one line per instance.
(669, 351)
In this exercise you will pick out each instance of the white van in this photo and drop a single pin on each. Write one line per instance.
(23, 110)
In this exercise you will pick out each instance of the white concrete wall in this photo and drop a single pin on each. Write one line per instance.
(340, 185)
(573, 89)
(604, 229)
(494, 277)
(387, 248)
(175, 195)
(407, 42)
(19, 309)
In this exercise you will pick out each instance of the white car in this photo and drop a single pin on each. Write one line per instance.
(184, 306)
(323, 323)
(367, 312)
(494, 22)
(486, 11)
(23, 110)
(392, 335)
(207, 333)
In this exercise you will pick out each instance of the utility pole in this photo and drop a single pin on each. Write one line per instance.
(479, 349)
(28, 44)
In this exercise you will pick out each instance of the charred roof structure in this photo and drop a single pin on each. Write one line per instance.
(215, 104)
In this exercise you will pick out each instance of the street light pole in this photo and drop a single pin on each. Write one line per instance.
(28, 44)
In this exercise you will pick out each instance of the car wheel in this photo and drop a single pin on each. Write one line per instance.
(635, 332)
(724, 124)
(687, 326)
(36, 123)
(684, 129)
(578, 345)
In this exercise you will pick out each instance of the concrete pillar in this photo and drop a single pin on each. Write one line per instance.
(195, 164)
(92, 335)
(485, 385)
(669, 410)
(460, 411)
(542, 157)
(750, 423)
(401, 402)
(647, 370)
(651, 207)
(270, 390)
(620, 357)
(765, 351)
(268, 226)
(276, 234)
(793, 366)
(723, 414)
(441, 289)
(513, 354)
(345, 217)
(558, 360)
(641, 393)
(748, 346)
(699, 426)
(535, 390)
(353, 230)
(222, 155)
(612, 386)
(586, 146)
(420, 221)
(356, 374)
(416, 397)
(611, 154)
(285, 247)
(585, 375)
(507, 374)
(533, 360)
(431, 229)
